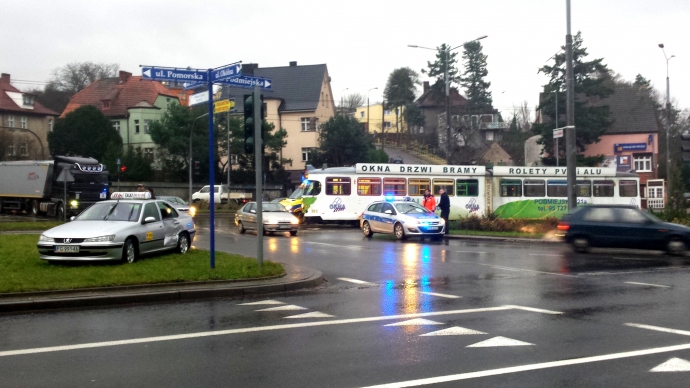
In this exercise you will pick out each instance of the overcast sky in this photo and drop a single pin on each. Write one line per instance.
(360, 41)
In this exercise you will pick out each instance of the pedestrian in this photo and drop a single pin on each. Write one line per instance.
(429, 201)
(143, 189)
(444, 205)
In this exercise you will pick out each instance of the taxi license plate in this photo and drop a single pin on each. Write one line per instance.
(284, 227)
(67, 249)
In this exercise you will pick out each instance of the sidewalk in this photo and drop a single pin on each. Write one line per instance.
(296, 277)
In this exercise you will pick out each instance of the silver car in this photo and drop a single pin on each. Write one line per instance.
(119, 229)
(402, 219)
(275, 218)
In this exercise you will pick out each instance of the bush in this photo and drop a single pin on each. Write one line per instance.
(491, 223)
(231, 206)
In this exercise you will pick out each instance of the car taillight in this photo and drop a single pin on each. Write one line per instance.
(563, 226)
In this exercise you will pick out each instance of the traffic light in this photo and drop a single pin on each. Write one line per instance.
(685, 147)
(249, 121)
(123, 169)
(197, 167)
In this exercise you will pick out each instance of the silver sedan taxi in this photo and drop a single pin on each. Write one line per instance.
(402, 219)
(275, 218)
(123, 228)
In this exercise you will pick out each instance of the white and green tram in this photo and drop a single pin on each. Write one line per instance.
(343, 193)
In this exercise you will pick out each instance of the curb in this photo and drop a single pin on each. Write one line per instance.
(296, 278)
(501, 239)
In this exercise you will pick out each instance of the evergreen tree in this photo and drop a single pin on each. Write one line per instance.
(437, 69)
(343, 142)
(400, 91)
(473, 78)
(590, 85)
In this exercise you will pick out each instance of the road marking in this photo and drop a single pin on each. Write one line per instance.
(499, 341)
(535, 310)
(530, 367)
(415, 322)
(470, 251)
(674, 364)
(648, 284)
(314, 314)
(288, 307)
(528, 270)
(440, 295)
(658, 328)
(257, 329)
(333, 245)
(354, 281)
(261, 303)
(455, 330)
(545, 254)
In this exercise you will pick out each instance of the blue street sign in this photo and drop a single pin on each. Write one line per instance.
(180, 75)
(118, 161)
(223, 73)
(246, 81)
(192, 85)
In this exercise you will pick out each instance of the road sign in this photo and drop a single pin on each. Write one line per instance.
(179, 75)
(557, 133)
(118, 161)
(198, 98)
(65, 176)
(192, 85)
(245, 81)
(222, 73)
(221, 106)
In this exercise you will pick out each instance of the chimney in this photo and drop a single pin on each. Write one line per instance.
(124, 76)
(248, 68)
(426, 86)
(293, 63)
(5, 78)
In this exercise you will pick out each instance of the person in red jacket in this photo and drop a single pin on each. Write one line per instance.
(429, 201)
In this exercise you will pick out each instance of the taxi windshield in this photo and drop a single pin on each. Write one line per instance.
(411, 208)
(112, 211)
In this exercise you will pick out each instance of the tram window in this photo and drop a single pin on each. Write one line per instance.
(535, 188)
(445, 184)
(627, 188)
(369, 186)
(338, 186)
(394, 186)
(511, 188)
(313, 188)
(467, 188)
(583, 189)
(603, 188)
(417, 186)
(556, 188)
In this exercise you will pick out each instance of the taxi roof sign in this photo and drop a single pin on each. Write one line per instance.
(130, 195)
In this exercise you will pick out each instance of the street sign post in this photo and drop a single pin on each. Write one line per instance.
(245, 81)
(222, 106)
(64, 177)
(172, 74)
(558, 132)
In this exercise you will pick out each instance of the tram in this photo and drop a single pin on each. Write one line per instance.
(342, 193)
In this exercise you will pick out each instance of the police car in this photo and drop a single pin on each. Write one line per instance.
(402, 219)
(126, 226)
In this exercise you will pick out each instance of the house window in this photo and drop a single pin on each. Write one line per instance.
(136, 126)
(106, 104)
(643, 162)
(386, 124)
(148, 154)
(24, 149)
(489, 135)
(233, 159)
(28, 100)
(147, 126)
(306, 152)
(361, 114)
(10, 122)
(10, 149)
(387, 112)
(116, 126)
(22, 122)
(50, 125)
(309, 124)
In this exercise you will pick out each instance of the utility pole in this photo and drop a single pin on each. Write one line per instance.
(227, 123)
(383, 124)
(449, 147)
(570, 149)
(258, 163)
(668, 125)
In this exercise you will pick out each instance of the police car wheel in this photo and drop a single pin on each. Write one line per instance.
(399, 231)
(366, 229)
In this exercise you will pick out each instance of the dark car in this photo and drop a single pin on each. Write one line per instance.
(622, 226)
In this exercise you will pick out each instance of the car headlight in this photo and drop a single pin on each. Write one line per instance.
(294, 221)
(44, 238)
(74, 204)
(442, 221)
(192, 211)
(110, 237)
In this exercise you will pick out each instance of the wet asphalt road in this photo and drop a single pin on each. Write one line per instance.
(573, 320)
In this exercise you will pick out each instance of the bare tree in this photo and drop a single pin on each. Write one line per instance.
(75, 76)
(523, 113)
(352, 101)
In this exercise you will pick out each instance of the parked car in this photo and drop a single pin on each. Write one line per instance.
(221, 194)
(621, 226)
(396, 160)
(179, 204)
(275, 218)
(122, 228)
(402, 219)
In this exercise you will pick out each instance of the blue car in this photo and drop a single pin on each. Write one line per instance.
(402, 219)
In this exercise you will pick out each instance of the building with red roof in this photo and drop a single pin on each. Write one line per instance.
(131, 103)
(24, 124)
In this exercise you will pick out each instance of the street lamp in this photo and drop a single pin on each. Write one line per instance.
(668, 120)
(556, 126)
(445, 76)
(368, 130)
(341, 101)
(191, 130)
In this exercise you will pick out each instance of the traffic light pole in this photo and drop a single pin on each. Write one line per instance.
(258, 163)
(211, 170)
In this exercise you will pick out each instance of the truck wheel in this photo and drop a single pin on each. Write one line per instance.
(34, 208)
(60, 211)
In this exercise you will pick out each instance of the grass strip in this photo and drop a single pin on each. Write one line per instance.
(11, 226)
(21, 270)
(497, 234)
